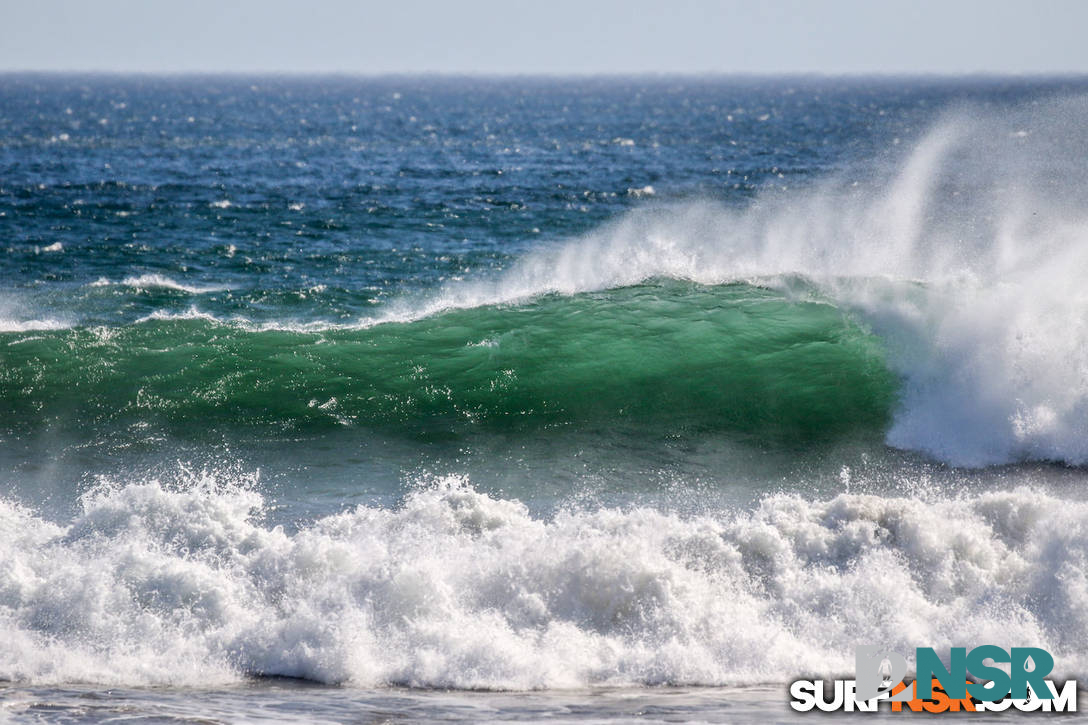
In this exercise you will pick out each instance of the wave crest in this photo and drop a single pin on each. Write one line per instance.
(966, 257)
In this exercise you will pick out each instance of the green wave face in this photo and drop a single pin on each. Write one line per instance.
(667, 357)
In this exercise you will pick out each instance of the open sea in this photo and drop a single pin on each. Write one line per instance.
(344, 399)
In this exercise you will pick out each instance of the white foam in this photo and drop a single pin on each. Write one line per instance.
(244, 323)
(148, 281)
(190, 314)
(14, 318)
(12, 325)
(154, 585)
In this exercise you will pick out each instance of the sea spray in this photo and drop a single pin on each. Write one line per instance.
(965, 257)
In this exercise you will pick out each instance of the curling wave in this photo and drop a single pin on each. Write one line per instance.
(966, 257)
(665, 357)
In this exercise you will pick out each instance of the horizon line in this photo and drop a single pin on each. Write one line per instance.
(800, 74)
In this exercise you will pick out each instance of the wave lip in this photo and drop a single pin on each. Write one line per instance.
(157, 585)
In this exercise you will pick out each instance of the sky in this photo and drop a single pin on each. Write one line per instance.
(546, 36)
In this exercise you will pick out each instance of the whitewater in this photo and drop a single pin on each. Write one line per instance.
(153, 585)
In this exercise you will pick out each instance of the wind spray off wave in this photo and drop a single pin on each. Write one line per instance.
(966, 258)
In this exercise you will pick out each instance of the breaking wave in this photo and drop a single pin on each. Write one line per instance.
(156, 584)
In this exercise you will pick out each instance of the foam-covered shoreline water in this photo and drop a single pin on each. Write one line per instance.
(186, 587)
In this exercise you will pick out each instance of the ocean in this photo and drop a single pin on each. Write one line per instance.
(335, 399)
